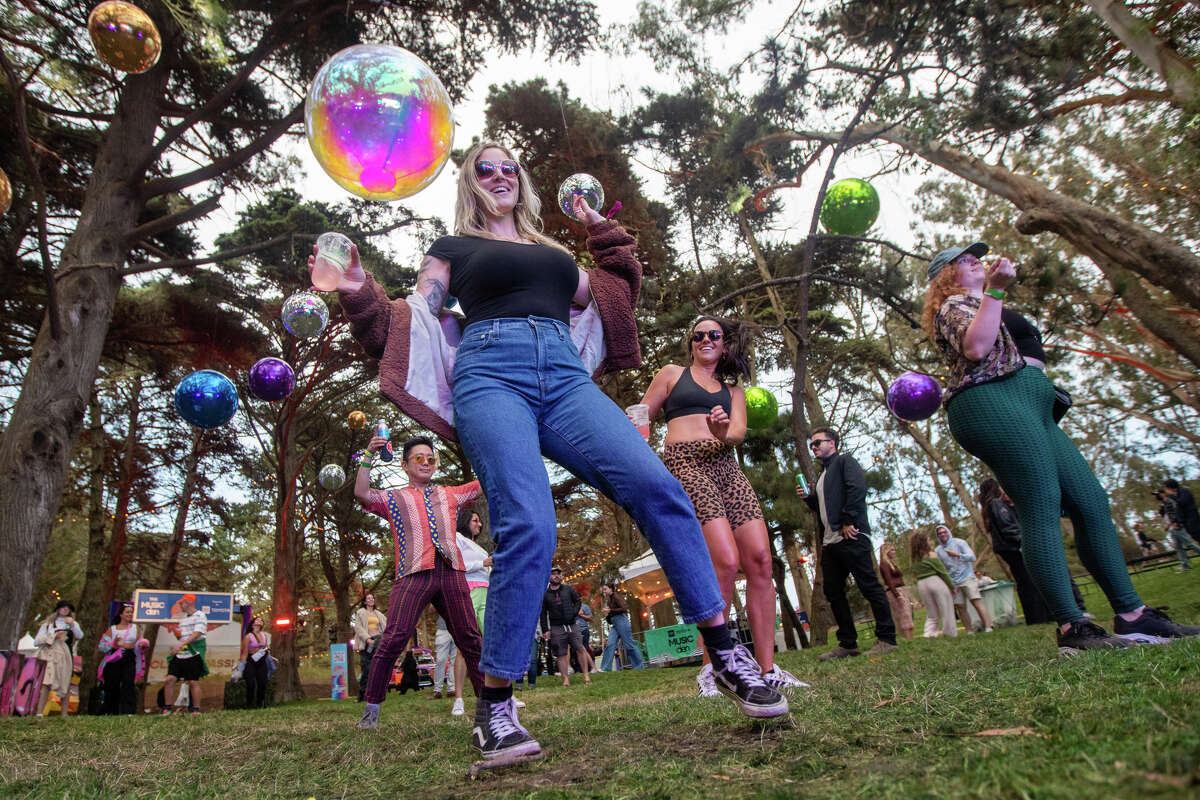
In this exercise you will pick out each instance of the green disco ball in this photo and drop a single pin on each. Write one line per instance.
(850, 208)
(761, 407)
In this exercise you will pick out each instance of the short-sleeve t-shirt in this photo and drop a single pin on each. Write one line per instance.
(493, 279)
(950, 326)
(196, 622)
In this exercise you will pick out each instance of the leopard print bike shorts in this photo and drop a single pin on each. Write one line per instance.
(713, 480)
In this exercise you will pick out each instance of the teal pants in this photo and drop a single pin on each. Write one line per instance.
(1007, 424)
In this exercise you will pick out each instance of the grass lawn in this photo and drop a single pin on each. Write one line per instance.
(994, 715)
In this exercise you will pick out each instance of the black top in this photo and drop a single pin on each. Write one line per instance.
(1004, 526)
(687, 397)
(560, 606)
(845, 489)
(494, 279)
(1024, 333)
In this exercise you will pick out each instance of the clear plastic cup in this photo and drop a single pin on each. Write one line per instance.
(333, 256)
(640, 414)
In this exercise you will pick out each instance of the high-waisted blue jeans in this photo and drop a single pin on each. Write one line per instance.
(620, 630)
(520, 393)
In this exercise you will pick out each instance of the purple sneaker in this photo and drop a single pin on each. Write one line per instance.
(498, 735)
(741, 680)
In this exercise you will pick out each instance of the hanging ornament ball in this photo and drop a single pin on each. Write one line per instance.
(5, 193)
(356, 420)
(124, 36)
(379, 121)
(580, 185)
(850, 208)
(914, 396)
(761, 407)
(206, 399)
(305, 314)
(271, 379)
(331, 477)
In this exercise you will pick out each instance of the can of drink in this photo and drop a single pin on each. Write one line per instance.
(384, 431)
(801, 482)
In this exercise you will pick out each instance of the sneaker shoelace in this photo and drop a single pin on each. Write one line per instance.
(503, 719)
(743, 665)
(1087, 630)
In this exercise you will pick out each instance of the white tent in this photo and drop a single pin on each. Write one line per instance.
(26, 646)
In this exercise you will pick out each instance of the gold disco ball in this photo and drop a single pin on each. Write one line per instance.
(124, 36)
(5, 193)
(356, 420)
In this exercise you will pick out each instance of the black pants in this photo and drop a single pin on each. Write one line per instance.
(255, 676)
(853, 557)
(364, 670)
(119, 694)
(1034, 605)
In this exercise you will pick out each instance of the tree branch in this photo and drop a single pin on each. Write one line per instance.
(1176, 72)
(166, 223)
(1110, 100)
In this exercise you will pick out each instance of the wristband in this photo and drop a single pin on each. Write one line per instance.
(366, 460)
(996, 293)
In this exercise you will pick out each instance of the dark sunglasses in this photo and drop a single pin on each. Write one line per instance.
(485, 169)
(815, 443)
(713, 336)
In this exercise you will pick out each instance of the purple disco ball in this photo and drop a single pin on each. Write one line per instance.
(914, 396)
(271, 379)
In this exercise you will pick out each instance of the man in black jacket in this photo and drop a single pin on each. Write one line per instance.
(560, 607)
(840, 501)
(1183, 520)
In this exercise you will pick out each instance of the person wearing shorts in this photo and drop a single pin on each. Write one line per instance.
(186, 662)
(705, 409)
(560, 609)
(959, 559)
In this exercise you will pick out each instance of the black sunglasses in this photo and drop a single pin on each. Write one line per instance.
(815, 443)
(713, 336)
(485, 169)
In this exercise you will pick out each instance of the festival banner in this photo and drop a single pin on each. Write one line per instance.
(162, 605)
(672, 642)
(338, 669)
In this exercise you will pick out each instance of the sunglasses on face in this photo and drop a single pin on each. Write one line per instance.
(713, 336)
(816, 443)
(421, 458)
(485, 169)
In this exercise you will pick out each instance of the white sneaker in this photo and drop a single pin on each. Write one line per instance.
(782, 679)
(706, 682)
(457, 709)
(518, 703)
(987, 630)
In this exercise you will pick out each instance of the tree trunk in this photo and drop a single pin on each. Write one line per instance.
(288, 547)
(37, 444)
(124, 492)
(93, 610)
(1174, 70)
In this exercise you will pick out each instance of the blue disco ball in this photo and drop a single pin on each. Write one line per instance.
(206, 399)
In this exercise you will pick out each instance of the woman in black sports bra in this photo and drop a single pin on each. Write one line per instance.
(706, 418)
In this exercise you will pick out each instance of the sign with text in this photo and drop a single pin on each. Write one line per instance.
(672, 642)
(162, 605)
(339, 671)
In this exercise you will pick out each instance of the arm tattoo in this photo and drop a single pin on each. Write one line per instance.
(433, 289)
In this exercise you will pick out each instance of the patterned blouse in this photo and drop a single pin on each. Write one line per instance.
(422, 523)
(950, 326)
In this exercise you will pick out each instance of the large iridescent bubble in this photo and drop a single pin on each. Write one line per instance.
(305, 314)
(124, 36)
(379, 121)
(580, 184)
(850, 208)
(206, 399)
(914, 396)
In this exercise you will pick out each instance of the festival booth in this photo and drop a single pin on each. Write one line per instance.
(644, 580)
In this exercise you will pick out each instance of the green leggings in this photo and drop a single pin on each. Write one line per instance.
(1007, 424)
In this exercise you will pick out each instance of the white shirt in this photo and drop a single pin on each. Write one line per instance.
(195, 622)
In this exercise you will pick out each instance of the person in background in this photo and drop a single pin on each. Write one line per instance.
(619, 630)
(840, 502)
(123, 663)
(959, 559)
(478, 565)
(934, 587)
(897, 592)
(1000, 519)
(560, 609)
(585, 634)
(186, 661)
(1183, 520)
(446, 656)
(1003, 413)
(369, 623)
(56, 646)
(1145, 542)
(254, 655)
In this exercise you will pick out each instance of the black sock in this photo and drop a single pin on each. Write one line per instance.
(716, 639)
(497, 694)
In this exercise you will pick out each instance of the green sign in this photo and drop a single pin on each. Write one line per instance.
(672, 642)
